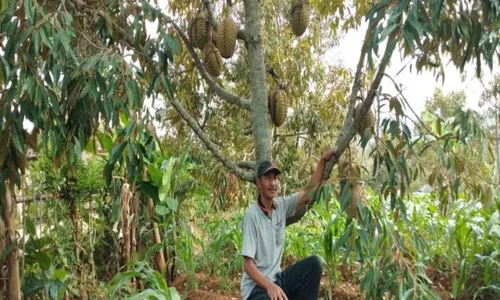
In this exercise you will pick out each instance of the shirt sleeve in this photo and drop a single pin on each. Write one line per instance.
(249, 235)
(290, 204)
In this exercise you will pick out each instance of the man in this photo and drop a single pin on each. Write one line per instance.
(263, 233)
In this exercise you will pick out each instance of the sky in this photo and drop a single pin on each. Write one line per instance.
(417, 87)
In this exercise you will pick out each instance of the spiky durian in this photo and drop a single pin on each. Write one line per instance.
(278, 106)
(226, 36)
(198, 31)
(351, 186)
(300, 16)
(213, 60)
(367, 125)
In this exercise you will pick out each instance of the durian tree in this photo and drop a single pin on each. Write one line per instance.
(429, 32)
(69, 66)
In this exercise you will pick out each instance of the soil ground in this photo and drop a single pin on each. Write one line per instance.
(213, 288)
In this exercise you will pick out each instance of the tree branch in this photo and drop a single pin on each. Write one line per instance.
(351, 124)
(248, 176)
(247, 165)
(224, 94)
(348, 130)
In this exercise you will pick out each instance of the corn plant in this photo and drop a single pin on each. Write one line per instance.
(184, 246)
(157, 286)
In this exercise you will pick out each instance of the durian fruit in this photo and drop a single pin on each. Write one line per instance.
(227, 32)
(349, 174)
(212, 59)
(300, 16)
(367, 125)
(198, 31)
(278, 106)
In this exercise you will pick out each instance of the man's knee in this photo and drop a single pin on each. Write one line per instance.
(315, 264)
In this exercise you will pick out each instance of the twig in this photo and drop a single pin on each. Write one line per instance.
(208, 143)
(408, 104)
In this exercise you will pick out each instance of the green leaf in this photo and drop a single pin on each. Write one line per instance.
(6, 251)
(402, 165)
(115, 155)
(132, 91)
(495, 230)
(59, 274)
(387, 31)
(172, 204)
(30, 227)
(412, 20)
(149, 294)
(121, 279)
(155, 175)
(32, 285)
(167, 177)
(161, 210)
(18, 138)
(149, 190)
(105, 141)
(153, 249)
(42, 259)
(174, 295)
(55, 289)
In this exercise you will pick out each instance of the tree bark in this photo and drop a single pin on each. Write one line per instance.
(497, 147)
(160, 258)
(2, 249)
(74, 218)
(9, 208)
(125, 212)
(134, 211)
(258, 106)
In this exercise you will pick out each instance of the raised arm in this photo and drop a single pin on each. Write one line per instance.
(307, 193)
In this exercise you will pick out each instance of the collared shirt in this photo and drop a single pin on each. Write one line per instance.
(261, 205)
(263, 235)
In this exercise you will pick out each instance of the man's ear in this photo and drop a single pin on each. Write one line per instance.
(258, 182)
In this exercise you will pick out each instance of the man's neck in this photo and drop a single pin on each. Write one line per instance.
(266, 205)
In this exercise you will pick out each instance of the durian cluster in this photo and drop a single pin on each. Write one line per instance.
(216, 46)
(278, 100)
(222, 44)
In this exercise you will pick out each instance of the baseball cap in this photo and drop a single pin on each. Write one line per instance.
(266, 167)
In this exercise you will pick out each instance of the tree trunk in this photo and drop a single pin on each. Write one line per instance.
(2, 249)
(496, 139)
(9, 208)
(160, 258)
(74, 218)
(134, 211)
(125, 212)
(258, 105)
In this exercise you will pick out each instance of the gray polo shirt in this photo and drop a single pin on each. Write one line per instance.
(263, 238)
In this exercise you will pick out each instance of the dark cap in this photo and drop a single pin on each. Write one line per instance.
(266, 167)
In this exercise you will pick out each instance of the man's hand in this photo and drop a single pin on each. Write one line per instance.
(328, 154)
(275, 292)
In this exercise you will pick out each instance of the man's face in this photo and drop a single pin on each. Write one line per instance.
(268, 185)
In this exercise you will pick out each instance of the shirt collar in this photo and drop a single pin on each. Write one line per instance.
(261, 205)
